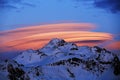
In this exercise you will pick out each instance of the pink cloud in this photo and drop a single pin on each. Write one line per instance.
(37, 36)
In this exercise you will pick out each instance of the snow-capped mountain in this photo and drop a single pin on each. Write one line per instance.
(61, 60)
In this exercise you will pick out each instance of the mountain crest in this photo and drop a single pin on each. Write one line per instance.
(56, 42)
(61, 60)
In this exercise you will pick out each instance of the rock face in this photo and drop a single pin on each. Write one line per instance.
(61, 60)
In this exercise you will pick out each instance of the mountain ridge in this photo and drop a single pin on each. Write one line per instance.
(63, 60)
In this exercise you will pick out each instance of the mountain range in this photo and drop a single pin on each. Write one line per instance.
(61, 60)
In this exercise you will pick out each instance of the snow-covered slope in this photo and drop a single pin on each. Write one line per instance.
(61, 60)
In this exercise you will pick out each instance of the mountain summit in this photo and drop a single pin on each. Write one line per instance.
(61, 60)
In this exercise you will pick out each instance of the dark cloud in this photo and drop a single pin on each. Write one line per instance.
(8, 3)
(13, 4)
(111, 5)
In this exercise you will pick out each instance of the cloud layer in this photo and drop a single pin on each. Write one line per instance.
(114, 45)
(37, 36)
(112, 5)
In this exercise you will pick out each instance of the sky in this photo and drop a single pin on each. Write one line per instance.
(30, 24)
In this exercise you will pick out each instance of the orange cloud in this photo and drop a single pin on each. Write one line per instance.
(26, 31)
(114, 45)
(37, 36)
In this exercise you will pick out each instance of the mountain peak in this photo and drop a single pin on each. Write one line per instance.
(57, 41)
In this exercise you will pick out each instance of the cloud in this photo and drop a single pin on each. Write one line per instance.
(112, 5)
(37, 36)
(14, 4)
(8, 3)
(26, 31)
(109, 5)
(114, 45)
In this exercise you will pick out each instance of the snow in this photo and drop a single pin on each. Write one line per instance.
(80, 62)
(28, 57)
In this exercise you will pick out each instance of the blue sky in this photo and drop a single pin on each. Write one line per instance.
(49, 11)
